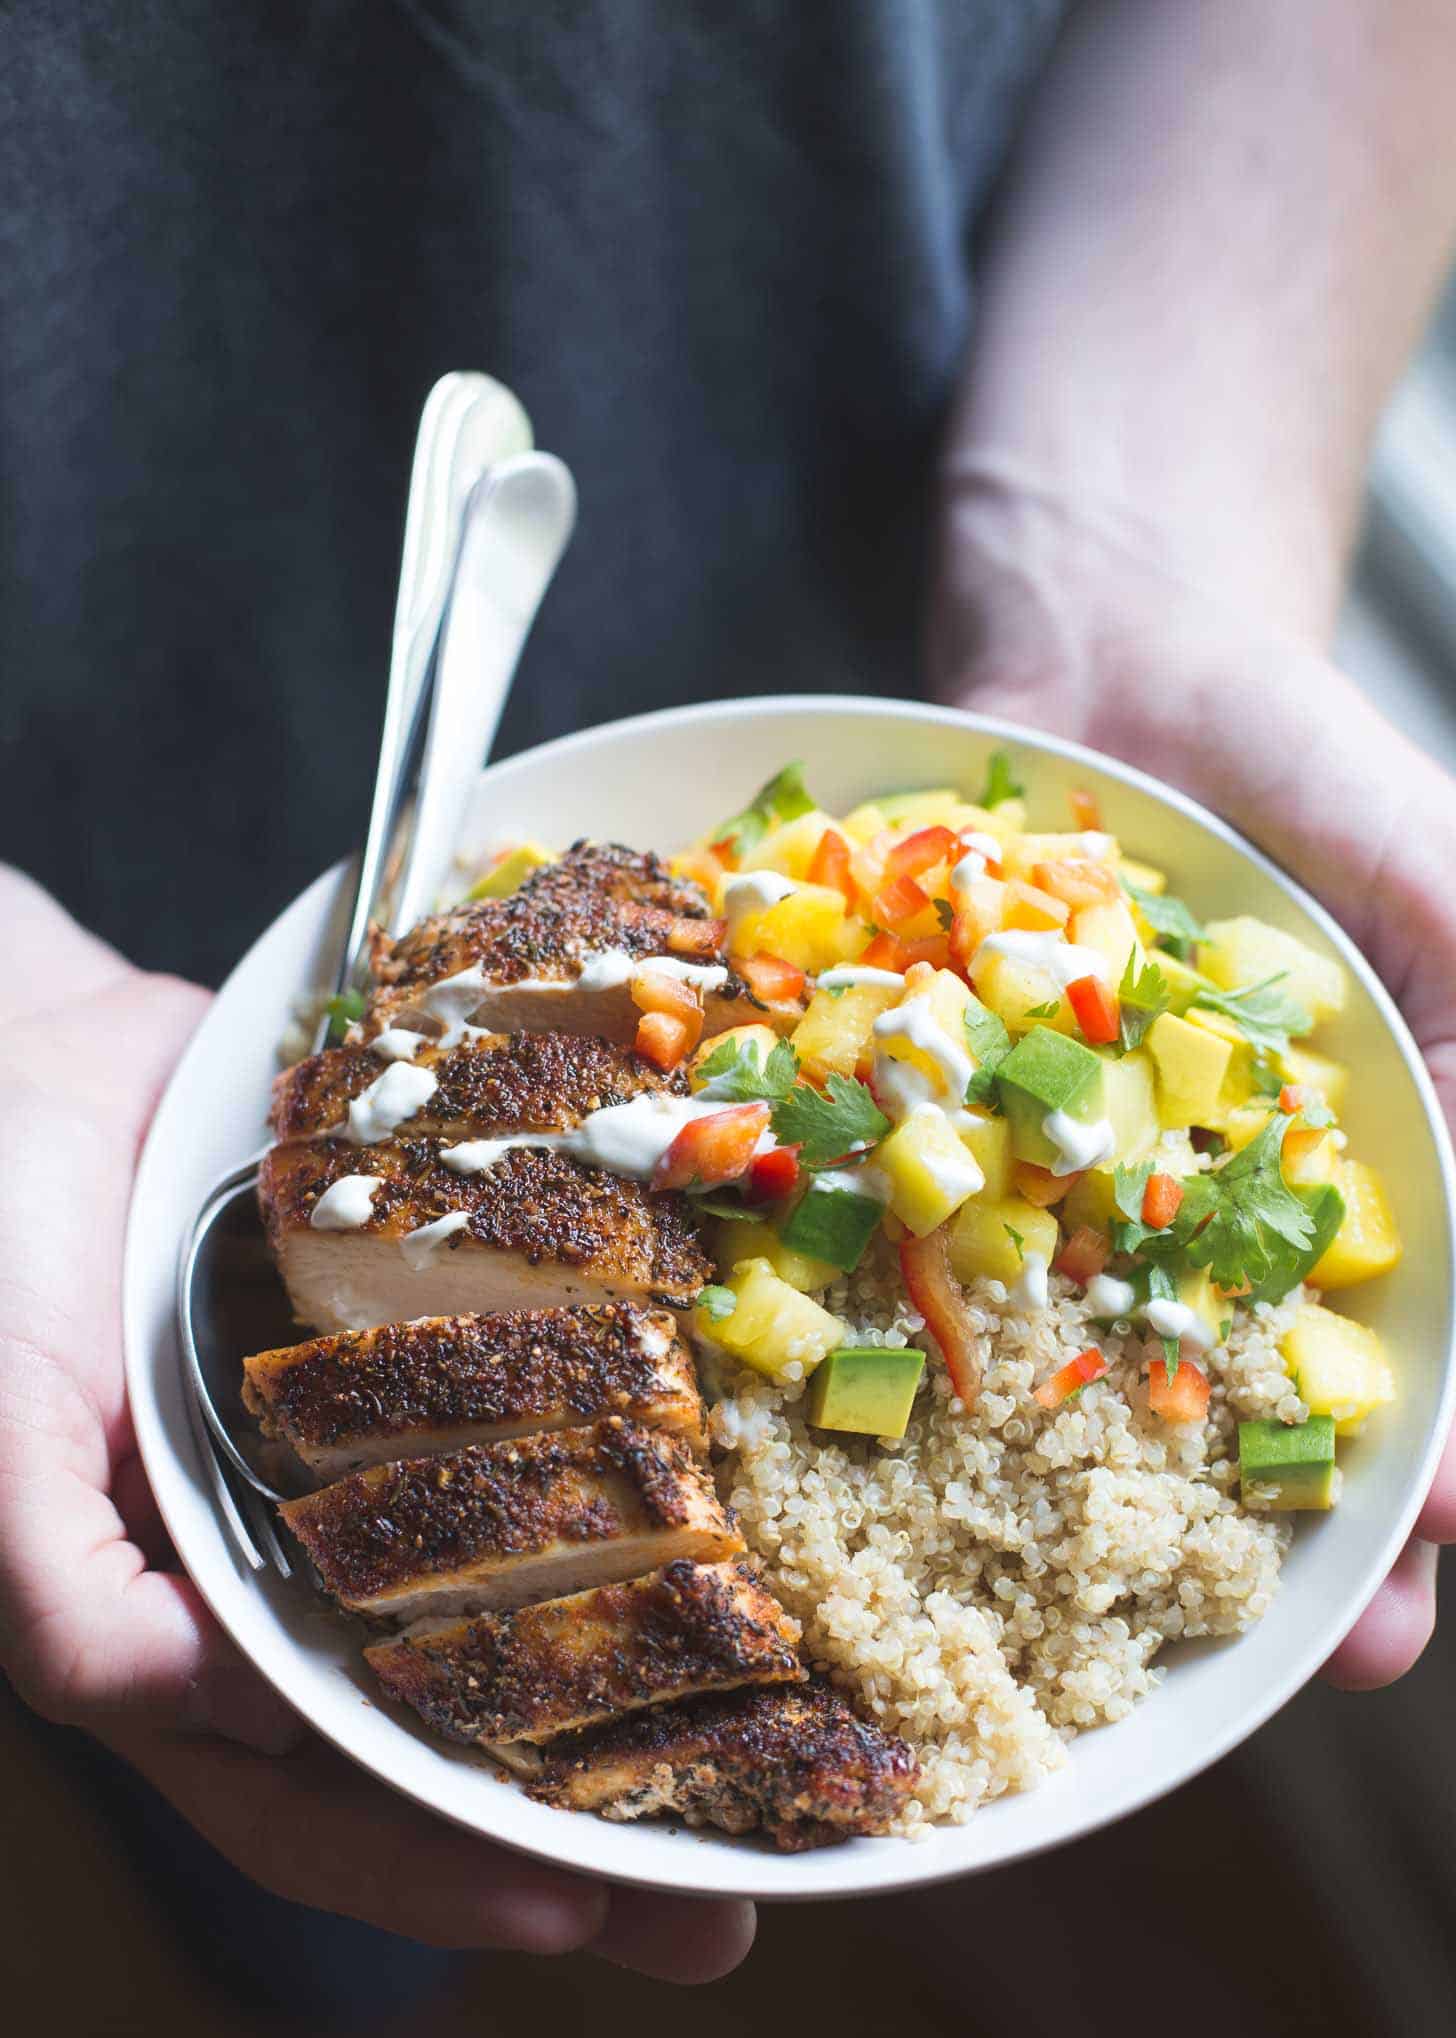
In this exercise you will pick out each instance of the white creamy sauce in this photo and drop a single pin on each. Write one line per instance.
(1176, 1319)
(396, 1043)
(388, 1101)
(625, 1139)
(419, 1247)
(345, 1204)
(708, 976)
(901, 1088)
(753, 891)
(1062, 960)
(965, 873)
(454, 1000)
(1078, 1146)
(867, 1181)
(653, 1341)
(1107, 1296)
(1032, 1290)
(914, 1022)
(1095, 846)
(845, 975)
(958, 1175)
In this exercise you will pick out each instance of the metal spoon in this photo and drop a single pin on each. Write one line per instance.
(513, 526)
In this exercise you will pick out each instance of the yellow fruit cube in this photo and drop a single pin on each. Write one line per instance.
(981, 1242)
(736, 1239)
(931, 1172)
(1129, 1105)
(505, 877)
(762, 1039)
(772, 1326)
(1367, 1242)
(789, 849)
(1109, 930)
(1237, 1086)
(1145, 876)
(1319, 1072)
(1245, 951)
(909, 811)
(1015, 990)
(809, 929)
(940, 1005)
(989, 1139)
(837, 1031)
(862, 824)
(1191, 1063)
(1022, 853)
(1027, 906)
(1338, 1367)
(1308, 1156)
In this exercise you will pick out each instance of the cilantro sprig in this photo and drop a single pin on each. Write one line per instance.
(1001, 781)
(735, 1074)
(990, 1043)
(1169, 918)
(1143, 996)
(783, 798)
(827, 1129)
(716, 1303)
(1267, 1017)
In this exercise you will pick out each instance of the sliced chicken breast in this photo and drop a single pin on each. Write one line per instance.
(792, 1759)
(498, 1525)
(411, 1389)
(402, 1235)
(564, 1664)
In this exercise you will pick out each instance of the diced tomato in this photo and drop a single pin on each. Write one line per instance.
(690, 937)
(663, 1039)
(921, 852)
(1184, 1398)
(1086, 813)
(1083, 1256)
(726, 852)
(1069, 1379)
(1096, 1008)
(933, 952)
(772, 1175)
(937, 1294)
(830, 864)
(712, 1150)
(1040, 1185)
(1162, 1200)
(898, 901)
(885, 952)
(772, 979)
(1077, 884)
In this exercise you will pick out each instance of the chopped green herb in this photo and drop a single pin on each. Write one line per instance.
(1163, 1288)
(717, 1303)
(711, 1204)
(1223, 1331)
(1266, 1017)
(1266, 1078)
(343, 1011)
(990, 1043)
(733, 1073)
(1016, 1239)
(945, 913)
(1045, 1011)
(784, 798)
(827, 1129)
(1001, 781)
(1238, 1219)
(1314, 1111)
(1168, 917)
(1142, 997)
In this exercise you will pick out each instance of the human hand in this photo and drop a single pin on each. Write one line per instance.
(99, 1628)
(1073, 619)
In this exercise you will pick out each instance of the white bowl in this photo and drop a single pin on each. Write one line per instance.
(658, 781)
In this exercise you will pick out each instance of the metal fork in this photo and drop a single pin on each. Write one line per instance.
(486, 525)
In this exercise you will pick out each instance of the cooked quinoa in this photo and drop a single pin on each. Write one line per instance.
(993, 1582)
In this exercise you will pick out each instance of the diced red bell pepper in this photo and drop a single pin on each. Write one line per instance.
(1293, 1097)
(1069, 1379)
(664, 1039)
(1086, 812)
(1162, 1200)
(885, 952)
(937, 1294)
(772, 979)
(921, 852)
(899, 901)
(1096, 1010)
(934, 951)
(1083, 1256)
(698, 938)
(772, 1175)
(1040, 1185)
(829, 865)
(1077, 884)
(1184, 1398)
(655, 991)
(712, 1150)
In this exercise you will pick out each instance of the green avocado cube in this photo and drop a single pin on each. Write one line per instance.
(1288, 1464)
(1047, 1072)
(833, 1224)
(868, 1389)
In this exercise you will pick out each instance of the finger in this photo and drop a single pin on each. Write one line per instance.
(672, 1938)
(1436, 1522)
(316, 1830)
(1393, 1630)
(50, 958)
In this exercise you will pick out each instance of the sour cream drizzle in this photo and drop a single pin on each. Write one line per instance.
(1107, 1296)
(1176, 1319)
(346, 1204)
(388, 1101)
(846, 975)
(419, 1247)
(1032, 1290)
(980, 850)
(396, 1043)
(1078, 1146)
(625, 1139)
(1062, 960)
(753, 891)
(914, 1023)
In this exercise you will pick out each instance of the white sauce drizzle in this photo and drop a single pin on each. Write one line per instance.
(388, 1101)
(396, 1043)
(453, 1000)
(1078, 1146)
(653, 1341)
(753, 891)
(958, 1175)
(1107, 1296)
(868, 1181)
(1176, 1319)
(625, 1139)
(419, 1247)
(980, 850)
(845, 975)
(346, 1204)
(1062, 960)
(1032, 1290)
(914, 1023)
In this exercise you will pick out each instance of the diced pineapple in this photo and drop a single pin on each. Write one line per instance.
(809, 929)
(1024, 852)
(1330, 1078)
(1245, 951)
(1145, 876)
(1338, 1367)
(761, 1038)
(1006, 820)
(918, 810)
(931, 1172)
(1016, 990)
(862, 824)
(736, 1239)
(1191, 1064)
(505, 876)
(1109, 930)
(943, 1002)
(837, 1032)
(1027, 906)
(1197, 1292)
(1092, 1200)
(989, 1139)
(772, 1326)
(1367, 1242)
(981, 1241)
(1129, 1105)
(790, 849)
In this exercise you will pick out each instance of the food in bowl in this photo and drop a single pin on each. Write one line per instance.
(997, 1194)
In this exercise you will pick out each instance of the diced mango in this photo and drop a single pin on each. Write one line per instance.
(1319, 1072)
(736, 1239)
(1023, 852)
(981, 1244)
(837, 1031)
(1108, 929)
(989, 1139)
(1308, 1156)
(1245, 951)
(772, 1326)
(1129, 1105)
(1006, 820)
(1015, 990)
(790, 849)
(809, 929)
(1145, 876)
(1338, 1366)
(1183, 981)
(505, 877)
(762, 1039)
(930, 1171)
(1367, 1242)
(1191, 1063)
(862, 824)
(943, 1001)
(1237, 1086)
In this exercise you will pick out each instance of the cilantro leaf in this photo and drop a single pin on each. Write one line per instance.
(1265, 1077)
(717, 1303)
(343, 1011)
(1163, 1288)
(990, 1043)
(1142, 998)
(733, 1074)
(826, 1129)
(1265, 1016)
(1314, 1111)
(1001, 781)
(1129, 1185)
(710, 1204)
(1048, 1011)
(1016, 1238)
(1168, 917)
(945, 913)
(1240, 1220)
(784, 798)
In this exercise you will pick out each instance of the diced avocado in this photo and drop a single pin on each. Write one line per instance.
(1191, 1064)
(832, 1224)
(1183, 981)
(869, 1390)
(737, 1239)
(1128, 1105)
(1047, 1072)
(506, 876)
(1338, 1366)
(1288, 1465)
(1237, 1086)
